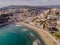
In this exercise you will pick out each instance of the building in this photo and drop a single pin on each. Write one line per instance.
(51, 21)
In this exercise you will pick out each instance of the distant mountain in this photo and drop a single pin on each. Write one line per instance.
(24, 6)
(52, 6)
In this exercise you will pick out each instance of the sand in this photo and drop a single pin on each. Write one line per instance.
(46, 36)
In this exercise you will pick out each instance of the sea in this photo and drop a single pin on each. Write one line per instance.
(19, 35)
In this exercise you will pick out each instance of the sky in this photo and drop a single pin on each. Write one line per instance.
(29, 2)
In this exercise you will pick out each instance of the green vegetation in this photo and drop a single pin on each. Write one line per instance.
(56, 35)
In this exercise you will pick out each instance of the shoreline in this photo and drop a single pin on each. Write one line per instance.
(46, 37)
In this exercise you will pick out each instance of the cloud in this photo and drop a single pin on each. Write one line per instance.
(21, 2)
(53, 2)
(29, 2)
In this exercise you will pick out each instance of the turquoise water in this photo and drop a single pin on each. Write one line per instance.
(19, 35)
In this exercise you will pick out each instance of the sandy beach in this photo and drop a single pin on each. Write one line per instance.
(46, 37)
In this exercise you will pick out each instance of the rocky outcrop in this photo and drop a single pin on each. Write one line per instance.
(5, 18)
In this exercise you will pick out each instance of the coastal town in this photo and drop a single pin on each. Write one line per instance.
(47, 19)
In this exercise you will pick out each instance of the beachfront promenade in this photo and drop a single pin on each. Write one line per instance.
(47, 38)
